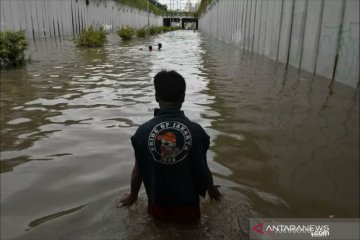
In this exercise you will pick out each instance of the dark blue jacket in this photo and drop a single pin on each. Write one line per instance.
(171, 155)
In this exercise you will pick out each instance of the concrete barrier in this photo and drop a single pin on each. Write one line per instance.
(318, 36)
(66, 18)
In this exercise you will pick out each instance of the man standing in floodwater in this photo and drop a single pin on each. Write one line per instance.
(170, 157)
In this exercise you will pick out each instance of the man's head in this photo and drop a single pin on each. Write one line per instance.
(170, 88)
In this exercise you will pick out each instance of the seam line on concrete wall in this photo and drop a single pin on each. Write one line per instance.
(253, 36)
(45, 13)
(281, 16)
(237, 23)
(258, 47)
(339, 38)
(32, 26)
(245, 23)
(321, 19)
(266, 26)
(250, 27)
(72, 19)
(303, 27)
(290, 33)
(242, 22)
(43, 21)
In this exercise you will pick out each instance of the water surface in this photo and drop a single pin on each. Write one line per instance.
(284, 144)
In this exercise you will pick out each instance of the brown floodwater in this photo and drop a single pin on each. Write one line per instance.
(284, 143)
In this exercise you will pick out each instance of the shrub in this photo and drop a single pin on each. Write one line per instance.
(159, 30)
(166, 29)
(12, 48)
(152, 31)
(155, 30)
(91, 38)
(126, 32)
(141, 32)
(174, 28)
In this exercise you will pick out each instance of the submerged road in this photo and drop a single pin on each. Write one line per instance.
(283, 144)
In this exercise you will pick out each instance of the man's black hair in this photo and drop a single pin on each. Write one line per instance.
(170, 86)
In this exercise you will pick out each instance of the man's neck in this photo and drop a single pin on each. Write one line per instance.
(164, 105)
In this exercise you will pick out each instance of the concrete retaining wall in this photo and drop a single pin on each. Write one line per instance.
(319, 36)
(66, 18)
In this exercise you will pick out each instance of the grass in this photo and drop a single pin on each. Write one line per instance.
(12, 48)
(91, 38)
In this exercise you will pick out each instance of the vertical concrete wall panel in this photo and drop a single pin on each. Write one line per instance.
(2, 18)
(233, 22)
(28, 25)
(285, 31)
(237, 24)
(252, 28)
(220, 23)
(14, 5)
(311, 37)
(250, 24)
(347, 69)
(329, 37)
(275, 29)
(247, 24)
(297, 33)
(228, 22)
(243, 20)
(319, 36)
(257, 26)
(269, 27)
(263, 26)
(223, 20)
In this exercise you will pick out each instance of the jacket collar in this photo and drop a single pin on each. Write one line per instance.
(168, 111)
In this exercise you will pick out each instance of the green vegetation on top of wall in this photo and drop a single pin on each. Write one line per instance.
(12, 48)
(203, 6)
(91, 38)
(143, 5)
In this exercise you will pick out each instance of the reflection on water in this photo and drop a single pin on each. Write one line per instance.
(283, 144)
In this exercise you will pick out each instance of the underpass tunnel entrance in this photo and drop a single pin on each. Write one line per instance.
(185, 23)
(190, 23)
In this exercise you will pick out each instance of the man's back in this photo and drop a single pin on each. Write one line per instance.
(171, 153)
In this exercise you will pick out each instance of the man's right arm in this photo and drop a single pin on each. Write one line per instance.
(136, 181)
(213, 190)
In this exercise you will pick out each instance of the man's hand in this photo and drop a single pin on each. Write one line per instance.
(127, 200)
(214, 193)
